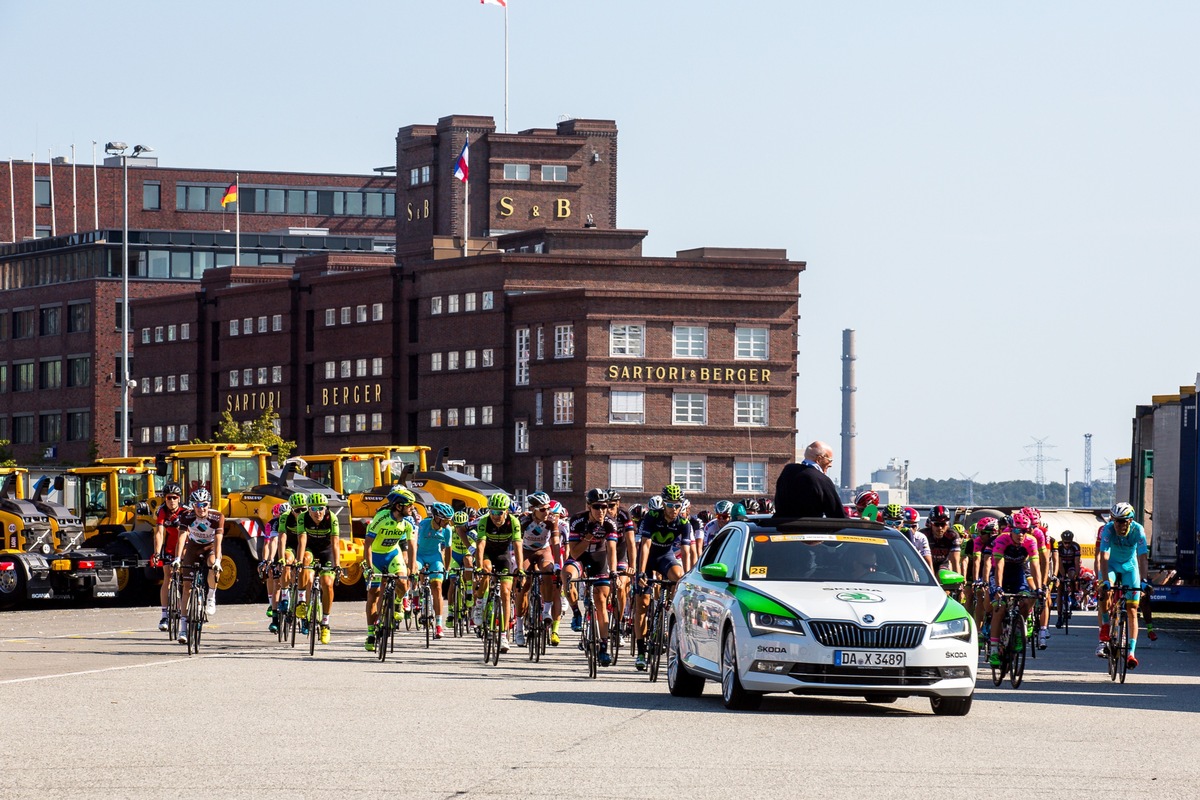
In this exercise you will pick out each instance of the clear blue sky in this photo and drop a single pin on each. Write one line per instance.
(984, 191)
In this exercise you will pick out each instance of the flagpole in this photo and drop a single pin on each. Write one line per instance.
(237, 216)
(506, 67)
(466, 209)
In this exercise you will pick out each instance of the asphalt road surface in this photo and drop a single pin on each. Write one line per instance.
(97, 703)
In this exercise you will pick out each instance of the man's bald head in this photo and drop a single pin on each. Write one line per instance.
(818, 450)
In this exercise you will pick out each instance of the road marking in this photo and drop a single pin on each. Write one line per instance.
(89, 671)
(80, 635)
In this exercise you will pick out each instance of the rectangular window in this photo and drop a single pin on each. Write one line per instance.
(23, 323)
(360, 313)
(247, 377)
(414, 176)
(183, 387)
(344, 368)
(539, 477)
(626, 339)
(516, 172)
(172, 333)
(377, 421)
(50, 427)
(185, 333)
(145, 336)
(345, 315)
(487, 357)
(691, 341)
(158, 334)
(435, 362)
(170, 433)
(750, 410)
(537, 409)
(435, 418)
(469, 359)
(79, 426)
(277, 322)
(262, 376)
(485, 472)
(486, 301)
(145, 437)
(331, 424)
(749, 477)
(151, 195)
(452, 418)
(376, 312)
(330, 317)
(344, 423)
(750, 343)
(158, 384)
(564, 341)
(79, 371)
(562, 475)
(541, 343)
(233, 327)
(51, 377)
(555, 173)
(469, 415)
(522, 352)
(435, 305)
(360, 423)
(51, 321)
(183, 433)
(426, 174)
(277, 374)
(469, 302)
(690, 408)
(145, 386)
(688, 474)
(452, 360)
(627, 406)
(248, 326)
(625, 473)
(23, 377)
(360, 368)
(158, 433)
(564, 407)
(79, 317)
(377, 366)
(262, 324)
(521, 436)
(330, 370)
(22, 429)
(170, 383)
(485, 415)
(452, 304)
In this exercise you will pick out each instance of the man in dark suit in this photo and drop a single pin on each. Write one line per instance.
(804, 490)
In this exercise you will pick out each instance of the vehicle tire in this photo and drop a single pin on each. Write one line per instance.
(239, 582)
(680, 681)
(736, 697)
(951, 706)
(12, 586)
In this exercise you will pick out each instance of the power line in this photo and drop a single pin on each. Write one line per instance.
(1039, 460)
(970, 487)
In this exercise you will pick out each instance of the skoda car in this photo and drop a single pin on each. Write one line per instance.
(820, 607)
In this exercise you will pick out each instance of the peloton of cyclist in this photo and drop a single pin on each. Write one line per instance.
(893, 517)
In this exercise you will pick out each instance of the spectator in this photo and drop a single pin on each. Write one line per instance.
(804, 490)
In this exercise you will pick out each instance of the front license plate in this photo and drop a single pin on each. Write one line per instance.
(867, 658)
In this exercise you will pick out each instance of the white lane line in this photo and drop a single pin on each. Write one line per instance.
(137, 666)
(77, 635)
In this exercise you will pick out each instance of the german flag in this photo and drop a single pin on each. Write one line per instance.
(230, 195)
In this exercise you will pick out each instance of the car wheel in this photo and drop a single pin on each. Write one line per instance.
(680, 681)
(951, 706)
(732, 692)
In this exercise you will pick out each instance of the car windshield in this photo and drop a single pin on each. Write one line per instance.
(847, 556)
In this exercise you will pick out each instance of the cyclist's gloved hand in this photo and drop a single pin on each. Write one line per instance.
(1106, 584)
(175, 563)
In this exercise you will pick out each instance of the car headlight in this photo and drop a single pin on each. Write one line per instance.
(773, 623)
(951, 629)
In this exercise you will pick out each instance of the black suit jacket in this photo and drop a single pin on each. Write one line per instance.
(805, 491)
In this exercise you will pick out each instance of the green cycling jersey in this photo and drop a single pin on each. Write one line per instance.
(385, 534)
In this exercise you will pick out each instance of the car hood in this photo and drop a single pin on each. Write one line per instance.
(852, 601)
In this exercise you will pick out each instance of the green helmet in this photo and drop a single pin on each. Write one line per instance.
(298, 501)
(893, 511)
(672, 493)
(317, 500)
(460, 518)
(499, 502)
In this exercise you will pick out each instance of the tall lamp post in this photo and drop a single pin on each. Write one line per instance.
(118, 149)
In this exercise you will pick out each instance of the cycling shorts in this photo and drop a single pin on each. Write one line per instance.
(192, 552)
(592, 565)
(1130, 580)
(497, 553)
(662, 563)
(321, 548)
(540, 560)
(1014, 583)
(458, 560)
(391, 563)
(170, 543)
(437, 570)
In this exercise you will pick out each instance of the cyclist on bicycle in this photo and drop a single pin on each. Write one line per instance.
(1011, 553)
(166, 540)
(659, 534)
(626, 555)
(389, 549)
(1122, 559)
(462, 553)
(1038, 531)
(722, 513)
(943, 540)
(201, 532)
(591, 552)
(317, 532)
(893, 517)
(272, 554)
(433, 539)
(980, 568)
(1069, 554)
(559, 517)
(540, 545)
(497, 532)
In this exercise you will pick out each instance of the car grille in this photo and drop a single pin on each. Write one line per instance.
(847, 634)
(858, 676)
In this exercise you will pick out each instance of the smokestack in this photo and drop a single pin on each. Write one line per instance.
(848, 419)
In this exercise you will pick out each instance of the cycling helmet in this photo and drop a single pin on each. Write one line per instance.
(766, 505)
(704, 516)
(655, 503)
(172, 488)
(442, 510)
(460, 518)
(867, 498)
(672, 493)
(1020, 522)
(317, 500)
(537, 500)
(911, 516)
(739, 512)
(751, 505)
(200, 497)
(939, 514)
(637, 511)
(556, 507)
(987, 525)
(1034, 515)
(298, 501)
(893, 511)
(613, 495)
(1068, 536)
(1122, 511)
(959, 529)
(399, 496)
(851, 512)
(279, 509)
(723, 507)
(499, 502)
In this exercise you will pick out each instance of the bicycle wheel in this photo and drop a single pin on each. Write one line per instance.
(658, 639)
(173, 603)
(383, 624)
(1122, 648)
(593, 642)
(1031, 630)
(614, 633)
(314, 619)
(1016, 665)
(427, 613)
(409, 598)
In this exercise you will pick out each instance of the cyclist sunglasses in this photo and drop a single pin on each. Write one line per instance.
(598, 506)
(673, 505)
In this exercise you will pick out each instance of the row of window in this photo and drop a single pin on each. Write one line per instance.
(49, 373)
(749, 477)
(161, 433)
(628, 406)
(182, 332)
(564, 347)
(313, 202)
(486, 300)
(48, 426)
(561, 470)
(26, 323)
(247, 326)
(335, 316)
(342, 369)
(160, 383)
(628, 339)
(487, 358)
(486, 416)
(362, 423)
(551, 173)
(248, 376)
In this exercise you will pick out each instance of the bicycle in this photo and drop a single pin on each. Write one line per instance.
(291, 593)
(174, 604)
(1118, 636)
(1065, 596)
(493, 616)
(660, 601)
(422, 605)
(197, 612)
(1013, 641)
(589, 638)
(537, 629)
(620, 621)
(460, 603)
(385, 627)
(314, 603)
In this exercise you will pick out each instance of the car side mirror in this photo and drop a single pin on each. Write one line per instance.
(715, 572)
(948, 577)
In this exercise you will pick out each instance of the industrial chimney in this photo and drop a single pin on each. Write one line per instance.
(848, 422)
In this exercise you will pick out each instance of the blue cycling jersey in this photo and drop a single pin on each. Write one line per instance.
(1123, 550)
(430, 541)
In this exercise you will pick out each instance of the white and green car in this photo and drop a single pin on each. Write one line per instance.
(821, 607)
